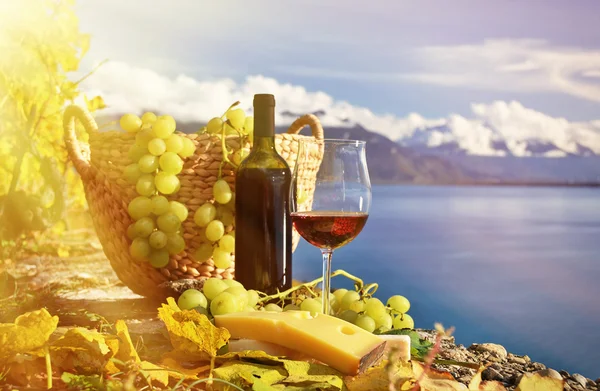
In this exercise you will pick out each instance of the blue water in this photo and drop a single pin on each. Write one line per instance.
(517, 266)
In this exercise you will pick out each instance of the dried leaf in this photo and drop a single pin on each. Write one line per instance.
(82, 350)
(476, 384)
(96, 103)
(29, 332)
(192, 335)
(537, 382)
(308, 375)
(377, 378)
(434, 380)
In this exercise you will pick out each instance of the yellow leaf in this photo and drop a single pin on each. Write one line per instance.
(537, 382)
(29, 332)
(160, 374)
(83, 350)
(192, 335)
(243, 374)
(126, 351)
(96, 103)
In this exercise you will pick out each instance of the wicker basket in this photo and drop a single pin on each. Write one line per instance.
(100, 164)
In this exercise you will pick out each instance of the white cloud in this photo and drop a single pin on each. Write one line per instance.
(130, 89)
(518, 65)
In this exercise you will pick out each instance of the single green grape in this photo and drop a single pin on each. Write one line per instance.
(215, 230)
(144, 227)
(231, 283)
(291, 307)
(148, 118)
(227, 243)
(403, 321)
(166, 183)
(192, 298)
(399, 304)
(164, 126)
(168, 223)
(205, 214)
(348, 298)
(148, 164)
(383, 321)
(252, 297)
(136, 152)
(174, 143)
(171, 163)
(241, 295)
(339, 294)
(132, 173)
(365, 322)
(157, 146)
(130, 123)
(335, 305)
(203, 252)
(222, 191)
(273, 308)
(375, 308)
(143, 137)
(160, 205)
(249, 124)
(131, 232)
(349, 316)
(221, 258)
(212, 287)
(224, 303)
(188, 148)
(159, 258)
(145, 185)
(230, 131)
(139, 248)
(179, 209)
(157, 239)
(175, 243)
(139, 207)
(236, 117)
(226, 216)
(311, 305)
(357, 306)
(214, 125)
(249, 309)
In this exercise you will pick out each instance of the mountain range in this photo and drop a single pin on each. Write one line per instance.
(436, 155)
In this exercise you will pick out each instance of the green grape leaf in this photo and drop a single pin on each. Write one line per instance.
(193, 336)
(419, 347)
(27, 334)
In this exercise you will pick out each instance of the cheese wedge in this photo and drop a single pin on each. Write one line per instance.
(333, 341)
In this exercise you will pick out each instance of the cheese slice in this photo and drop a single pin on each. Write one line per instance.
(333, 341)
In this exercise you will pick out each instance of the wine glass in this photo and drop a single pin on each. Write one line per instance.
(336, 211)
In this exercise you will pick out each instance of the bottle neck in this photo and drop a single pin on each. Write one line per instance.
(264, 143)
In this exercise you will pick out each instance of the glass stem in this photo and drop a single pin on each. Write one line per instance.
(326, 279)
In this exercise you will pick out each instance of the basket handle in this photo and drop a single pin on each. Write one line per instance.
(74, 146)
(310, 120)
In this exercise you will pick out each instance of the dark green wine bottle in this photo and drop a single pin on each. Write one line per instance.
(263, 228)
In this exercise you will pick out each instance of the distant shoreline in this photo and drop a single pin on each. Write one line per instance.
(491, 183)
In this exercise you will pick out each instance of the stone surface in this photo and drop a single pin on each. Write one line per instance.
(580, 379)
(494, 349)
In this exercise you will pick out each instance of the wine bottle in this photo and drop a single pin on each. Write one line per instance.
(263, 240)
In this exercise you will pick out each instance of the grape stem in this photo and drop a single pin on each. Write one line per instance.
(358, 284)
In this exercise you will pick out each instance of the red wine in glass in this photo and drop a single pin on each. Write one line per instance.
(331, 208)
(329, 229)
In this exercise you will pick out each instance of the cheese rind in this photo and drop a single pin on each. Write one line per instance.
(333, 341)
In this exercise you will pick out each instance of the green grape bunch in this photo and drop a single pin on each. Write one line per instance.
(157, 157)
(358, 306)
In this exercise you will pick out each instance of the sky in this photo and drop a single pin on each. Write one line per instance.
(389, 65)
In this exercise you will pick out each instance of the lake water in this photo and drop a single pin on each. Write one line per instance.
(518, 266)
